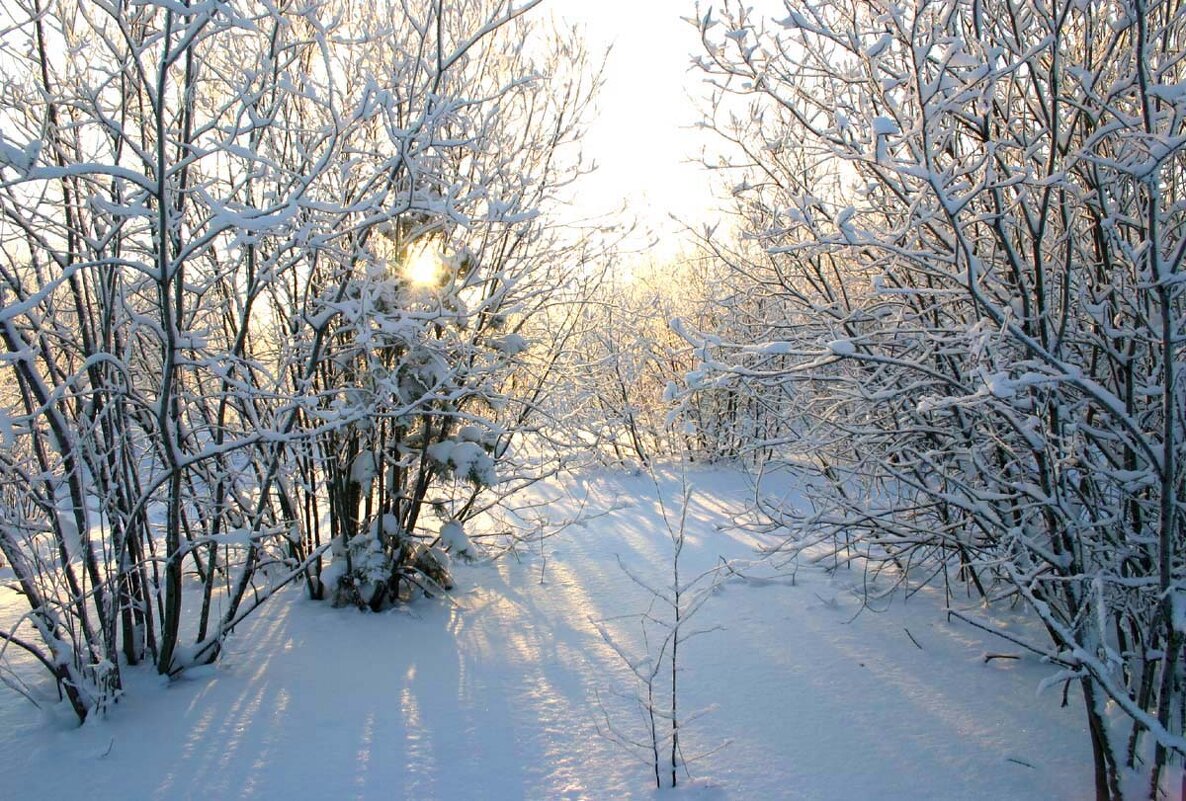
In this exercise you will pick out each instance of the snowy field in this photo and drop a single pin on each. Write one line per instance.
(496, 695)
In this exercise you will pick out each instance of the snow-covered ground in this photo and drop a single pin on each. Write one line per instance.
(495, 695)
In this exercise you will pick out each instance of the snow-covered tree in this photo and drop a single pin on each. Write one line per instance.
(971, 215)
(206, 212)
(629, 362)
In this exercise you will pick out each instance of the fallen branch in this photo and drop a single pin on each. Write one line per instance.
(989, 657)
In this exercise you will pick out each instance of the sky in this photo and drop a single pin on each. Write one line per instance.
(642, 137)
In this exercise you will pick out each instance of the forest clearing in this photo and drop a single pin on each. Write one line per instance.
(538, 398)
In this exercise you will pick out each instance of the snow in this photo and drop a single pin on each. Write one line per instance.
(879, 47)
(20, 158)
(440, 452)
(772, 348)
(454, 539)
(492, 693)
(511, 344)
(1000, 386)
(795, 20)
(842, 347)
(467, 459)
(884, 126)
(363, 469)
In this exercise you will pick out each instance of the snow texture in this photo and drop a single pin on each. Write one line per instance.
(842, 347)
(494, 696)
(454, 539)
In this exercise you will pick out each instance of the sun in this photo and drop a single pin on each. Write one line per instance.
(424, 265)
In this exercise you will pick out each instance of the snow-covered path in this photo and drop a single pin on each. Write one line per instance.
(495, 695)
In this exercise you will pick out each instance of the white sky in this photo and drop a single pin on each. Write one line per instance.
(641, 138)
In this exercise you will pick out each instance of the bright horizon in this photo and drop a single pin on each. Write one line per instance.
(643, 136)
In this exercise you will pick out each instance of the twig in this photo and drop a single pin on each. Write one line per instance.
(989, 657)
(1015, 640)
(830, 603)
(911, 636)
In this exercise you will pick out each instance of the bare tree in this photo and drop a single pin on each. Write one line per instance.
(665, 626)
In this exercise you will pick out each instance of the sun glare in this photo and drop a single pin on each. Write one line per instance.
(424, 265)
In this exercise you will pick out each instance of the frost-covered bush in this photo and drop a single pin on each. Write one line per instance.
(387, 566)
(221, 352)
(971, 216)
(464, 459)
(427, 369)
(624, 393)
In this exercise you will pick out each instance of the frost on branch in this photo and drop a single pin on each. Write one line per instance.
(977, 247)
(223, 374)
